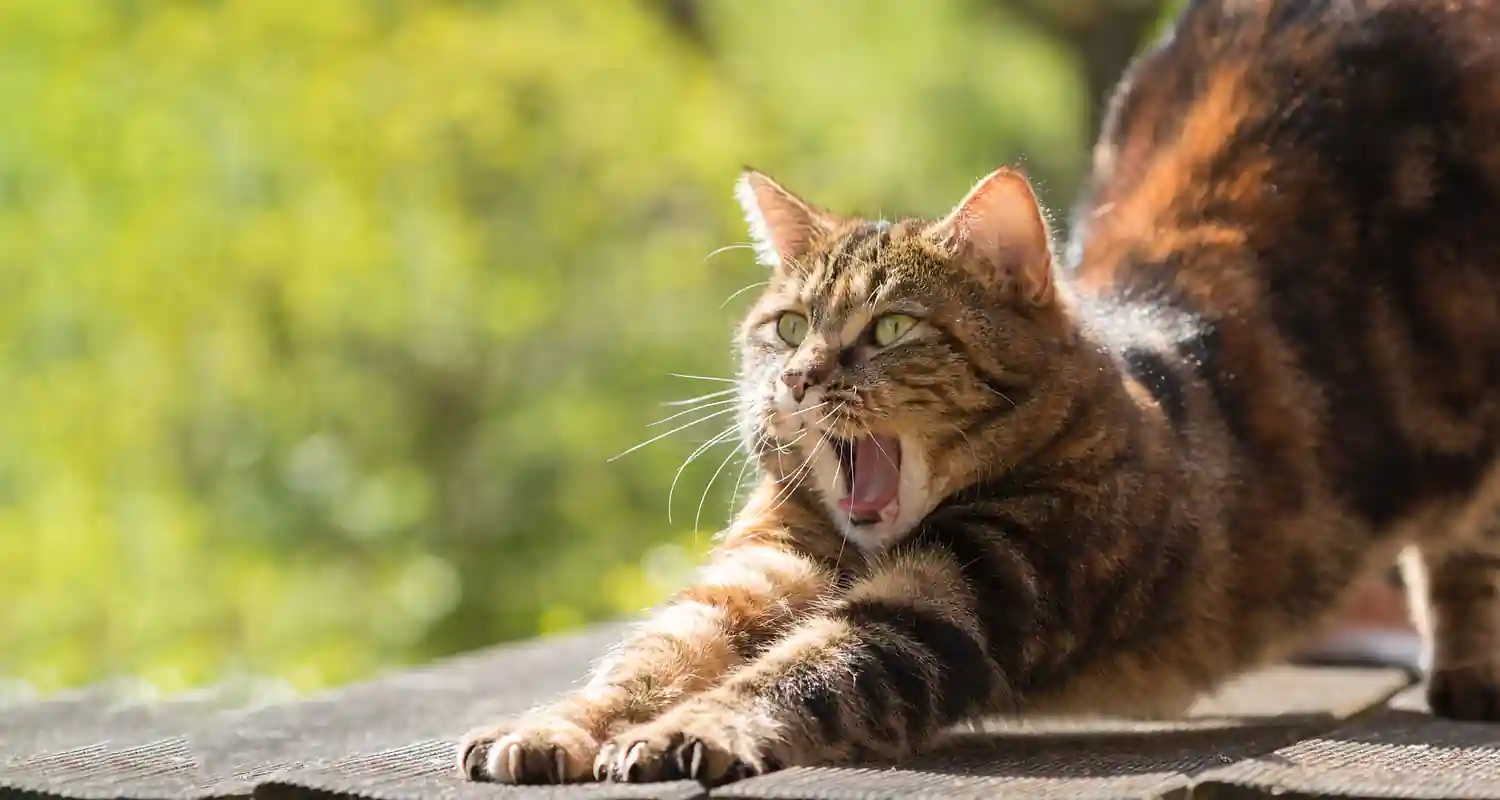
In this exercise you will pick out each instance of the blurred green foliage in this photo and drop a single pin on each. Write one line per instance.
(319, 320)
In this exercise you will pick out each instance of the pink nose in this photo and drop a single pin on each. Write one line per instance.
(799, 381)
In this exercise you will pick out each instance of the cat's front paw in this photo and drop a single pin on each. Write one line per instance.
(704, 741)
(1470, 694)
(549, 750)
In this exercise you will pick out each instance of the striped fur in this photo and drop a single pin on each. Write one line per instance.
(1271, 362)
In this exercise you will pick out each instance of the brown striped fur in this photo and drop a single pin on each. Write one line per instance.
(1270, 361)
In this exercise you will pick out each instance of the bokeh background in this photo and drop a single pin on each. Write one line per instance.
(320, 319)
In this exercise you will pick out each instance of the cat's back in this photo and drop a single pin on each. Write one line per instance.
(1262, 114)
(1318, 182)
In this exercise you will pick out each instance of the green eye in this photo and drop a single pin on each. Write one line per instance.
(792, 328)
(890, 328)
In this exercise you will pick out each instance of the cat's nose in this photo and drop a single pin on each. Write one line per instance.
(799, 381)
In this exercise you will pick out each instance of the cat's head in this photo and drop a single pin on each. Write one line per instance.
(883, 366)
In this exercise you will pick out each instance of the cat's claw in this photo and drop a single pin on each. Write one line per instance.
(471, 758)
(605, 761)
(712, 752)
(553, 751)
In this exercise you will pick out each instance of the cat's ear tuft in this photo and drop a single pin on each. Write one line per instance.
(999, 231)
(783, 226)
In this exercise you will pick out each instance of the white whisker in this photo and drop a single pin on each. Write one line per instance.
(807, 458)
(742, 291)
(810, 408)
(876, 440)
(974, 455)
(726, 248)
(698, 517)
(800, 474)
(691, 400)
(721, 436)
(800, 436)
(739, 481)
(693, 410)
(803, 473)
(786, 447)
(702, 377)
(794, 481)
(658, 437)
(995, 391)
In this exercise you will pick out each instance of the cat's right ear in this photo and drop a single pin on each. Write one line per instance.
(999, 230)
(783, 226)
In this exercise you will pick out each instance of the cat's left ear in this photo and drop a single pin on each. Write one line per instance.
(998, 231)
(784, 227)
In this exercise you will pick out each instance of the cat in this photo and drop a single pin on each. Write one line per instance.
(999, 481)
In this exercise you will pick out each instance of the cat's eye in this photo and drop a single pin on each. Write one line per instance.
(792, 328)
(890, 328)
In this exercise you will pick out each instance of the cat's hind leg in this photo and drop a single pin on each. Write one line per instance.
(1463, 622)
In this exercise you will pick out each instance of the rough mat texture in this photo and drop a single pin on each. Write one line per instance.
(1106, 758)
(1302, 731)
(1398, 751)
(391, 737)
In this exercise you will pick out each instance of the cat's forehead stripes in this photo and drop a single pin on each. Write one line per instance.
(849, 273)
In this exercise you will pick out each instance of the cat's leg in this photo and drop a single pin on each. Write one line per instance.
(754, 586)
(1463, 621)
(883, 672)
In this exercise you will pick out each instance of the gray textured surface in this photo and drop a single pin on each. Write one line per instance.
(1398, 751)
(101, 743)
(1283, 730)
(425, 769)
(1080, 759)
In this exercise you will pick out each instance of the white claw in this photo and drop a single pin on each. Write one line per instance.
(494, 762)
(468, 749)
(631, 757)
(603, 761)
(513, 761)
(697, 760)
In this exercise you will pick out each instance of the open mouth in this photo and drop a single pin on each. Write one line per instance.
(870, 467)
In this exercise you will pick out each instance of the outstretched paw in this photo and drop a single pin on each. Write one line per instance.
(710, 744)
(545, 751)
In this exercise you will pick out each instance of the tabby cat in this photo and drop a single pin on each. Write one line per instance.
(993, 483)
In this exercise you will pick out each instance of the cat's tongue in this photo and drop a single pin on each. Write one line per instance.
(876, 477)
